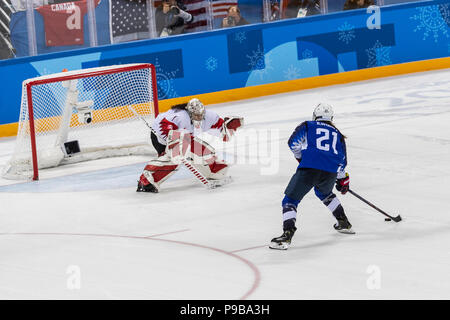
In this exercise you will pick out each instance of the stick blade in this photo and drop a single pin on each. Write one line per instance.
(213, 184)
(397, 218)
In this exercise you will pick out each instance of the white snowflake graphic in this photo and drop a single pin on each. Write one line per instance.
(307, 54)
(433, 20)
(256, 59)
(211, 64)
(259, 63)
(165, 82)
(292, 73)
(240, 36)
(378, 55)
(346, 33)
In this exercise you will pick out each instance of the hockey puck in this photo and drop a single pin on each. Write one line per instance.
(388, 219)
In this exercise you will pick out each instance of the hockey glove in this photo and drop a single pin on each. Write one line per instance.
(230, 125)
(343, 184)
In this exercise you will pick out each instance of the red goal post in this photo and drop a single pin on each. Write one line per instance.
(82, 115)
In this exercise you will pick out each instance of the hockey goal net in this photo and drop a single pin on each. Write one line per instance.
(83, 115)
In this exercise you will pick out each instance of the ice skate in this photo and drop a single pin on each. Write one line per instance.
(146, 188)
(343, 226)
(283, 242)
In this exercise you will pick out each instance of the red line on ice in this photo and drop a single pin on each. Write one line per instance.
(163, 234)
(255, 270)
(245, 249)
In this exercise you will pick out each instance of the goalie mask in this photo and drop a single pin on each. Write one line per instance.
(196, 111)
(323, 112)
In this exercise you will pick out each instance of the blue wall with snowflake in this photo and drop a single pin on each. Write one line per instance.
(257, 54)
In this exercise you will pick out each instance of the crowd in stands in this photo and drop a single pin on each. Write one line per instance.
(358, 4)
(173, 17)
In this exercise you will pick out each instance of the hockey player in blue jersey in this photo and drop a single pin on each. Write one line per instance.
(320, 150)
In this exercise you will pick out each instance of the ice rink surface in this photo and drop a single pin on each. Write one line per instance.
(82, 232)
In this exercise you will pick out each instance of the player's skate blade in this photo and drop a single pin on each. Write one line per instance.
(282, 242)
(279, 246)
(346, 231)
(343, 226)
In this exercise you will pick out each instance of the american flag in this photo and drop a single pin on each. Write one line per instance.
(129, 19)
(199, 9)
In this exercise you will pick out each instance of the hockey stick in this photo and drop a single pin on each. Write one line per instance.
(396, 219)
(141, 117)
(200, 177)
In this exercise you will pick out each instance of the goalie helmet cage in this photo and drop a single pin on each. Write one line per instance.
(97, 110)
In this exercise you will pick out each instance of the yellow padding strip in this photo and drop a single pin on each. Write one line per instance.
(291, 85)
(9, 129)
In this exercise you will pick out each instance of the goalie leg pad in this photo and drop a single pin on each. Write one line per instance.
(157, 171)
(204, 160)
(214, 169)
(218, 170)
(183, 147)
(201, 151)
(178, 143)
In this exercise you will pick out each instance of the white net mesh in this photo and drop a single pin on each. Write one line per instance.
(101, 108)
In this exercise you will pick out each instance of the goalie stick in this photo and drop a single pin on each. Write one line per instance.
(209, 184)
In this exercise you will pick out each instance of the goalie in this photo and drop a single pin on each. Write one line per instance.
(174, 138)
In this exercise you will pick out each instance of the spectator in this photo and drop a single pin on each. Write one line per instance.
(233, 18)
(171, 18)
(6, 48)
(274, 10)
(357, 4)
(302, 8)
(21, 5)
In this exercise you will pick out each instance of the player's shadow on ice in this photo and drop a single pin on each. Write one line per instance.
(392, 236)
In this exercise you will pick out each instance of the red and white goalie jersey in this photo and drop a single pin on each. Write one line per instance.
(177, 119)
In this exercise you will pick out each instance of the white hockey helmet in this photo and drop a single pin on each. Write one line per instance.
(196, 110)
(323, 112)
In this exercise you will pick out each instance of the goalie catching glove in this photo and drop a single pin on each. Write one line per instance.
(229, 127)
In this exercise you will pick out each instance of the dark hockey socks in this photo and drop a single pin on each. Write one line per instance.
(289, 216)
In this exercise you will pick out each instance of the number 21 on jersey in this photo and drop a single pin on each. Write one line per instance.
(323, 140)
